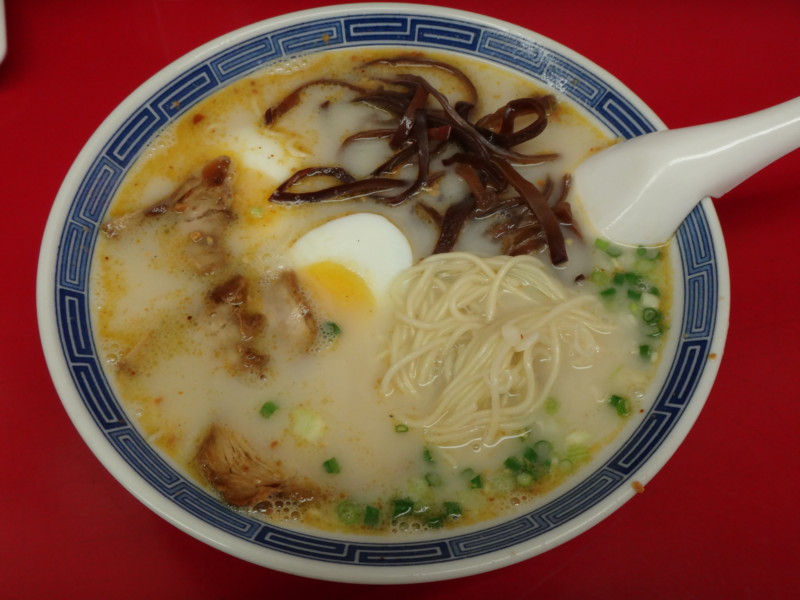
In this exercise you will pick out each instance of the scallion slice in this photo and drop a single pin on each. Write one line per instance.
(452, 510)
(607, 247)
(620, 404)
(544, 450)
(372, 516)
(268, 409)
(524, 479)
(608, 292)
(433, 479)
(401, 507)
(329, 329)
(348, 512)
(651, 316)
(331, 466)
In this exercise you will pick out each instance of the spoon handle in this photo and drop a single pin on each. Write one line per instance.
(720, 156)
(640, 191)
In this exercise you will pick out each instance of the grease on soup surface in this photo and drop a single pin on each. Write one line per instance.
(372, 347)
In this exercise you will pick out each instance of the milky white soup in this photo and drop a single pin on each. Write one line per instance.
(338, 362)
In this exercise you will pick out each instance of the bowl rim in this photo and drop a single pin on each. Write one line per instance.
(194, 526)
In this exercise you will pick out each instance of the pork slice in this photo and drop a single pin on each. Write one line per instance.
(241, 476)
(236, 324)
(290, 316)
(200, 209)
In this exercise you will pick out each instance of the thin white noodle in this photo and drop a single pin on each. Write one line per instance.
(479, 342)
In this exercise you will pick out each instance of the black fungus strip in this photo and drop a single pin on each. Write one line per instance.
(538, 204)
(399, 160)
(389, 101)
(485, 197)
(370, 134)
(418, 61)
(491, 176)
(499, 127)
(349, 189)
(403, 130)
(420, 131)
(272, 114)
(455, 217)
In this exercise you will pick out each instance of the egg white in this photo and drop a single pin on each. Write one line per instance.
(367, 244)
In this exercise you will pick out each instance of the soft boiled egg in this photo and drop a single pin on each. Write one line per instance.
(351, 261)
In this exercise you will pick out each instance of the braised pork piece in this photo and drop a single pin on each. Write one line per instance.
(242, 477)
(200, 209)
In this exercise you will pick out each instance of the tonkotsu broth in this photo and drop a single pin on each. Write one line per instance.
(174, 372)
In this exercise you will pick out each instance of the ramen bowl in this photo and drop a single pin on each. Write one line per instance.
(68, 330)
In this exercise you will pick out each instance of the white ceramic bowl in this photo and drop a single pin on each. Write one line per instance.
(698, 330)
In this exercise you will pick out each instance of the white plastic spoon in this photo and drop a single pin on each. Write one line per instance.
(639, 191)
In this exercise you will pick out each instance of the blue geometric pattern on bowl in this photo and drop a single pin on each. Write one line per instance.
(699, 270)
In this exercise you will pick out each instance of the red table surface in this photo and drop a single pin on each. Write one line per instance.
(720, 520)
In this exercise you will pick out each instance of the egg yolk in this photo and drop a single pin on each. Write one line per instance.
(334, 283)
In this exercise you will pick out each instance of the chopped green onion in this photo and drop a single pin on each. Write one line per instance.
(544, 450)
(433, 479)
(502, 481)
(434, 521)
(607, 247)
(645, 351)
(331, 466)
(619, 278)
(540, 469)
(565, 465)
(348, 512)
(427, 456)
(401, 507)
(577, 452)
(530, 455)
(476, 482)
(599, 277)
(452, 510)
(268, 409)
(620, 404)
(634, 294)
(524, 479)
(601, 244)
(330, 329)
(608, 292)
(651, 316)
(633, 279)
(372, 516)
(648, 253)
(401, 428)
(512, 463)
